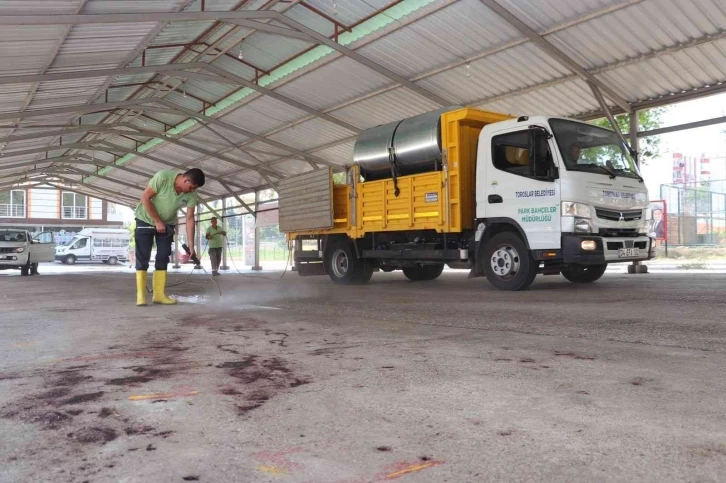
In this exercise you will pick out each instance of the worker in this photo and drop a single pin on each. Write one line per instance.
(156, 218)
(216, 243)
(575, 153)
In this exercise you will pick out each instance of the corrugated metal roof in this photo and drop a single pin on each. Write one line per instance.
(460, 51)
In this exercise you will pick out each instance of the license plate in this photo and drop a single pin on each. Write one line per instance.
(628, 252)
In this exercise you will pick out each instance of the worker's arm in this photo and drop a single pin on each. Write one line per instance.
(190, 230)
(146, 197)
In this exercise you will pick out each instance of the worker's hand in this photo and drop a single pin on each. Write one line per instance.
(207, 236)
(224, 233)
(160, 227)
(192, 253)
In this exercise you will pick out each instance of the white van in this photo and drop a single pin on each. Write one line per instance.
(107, 245)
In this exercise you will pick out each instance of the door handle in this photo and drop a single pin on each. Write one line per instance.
(495, 199)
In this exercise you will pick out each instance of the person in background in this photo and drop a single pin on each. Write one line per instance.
(657, 226)
(575, 150)
(216, 245)
(156, 218)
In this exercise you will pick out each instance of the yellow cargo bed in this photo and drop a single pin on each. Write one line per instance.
(443, 201)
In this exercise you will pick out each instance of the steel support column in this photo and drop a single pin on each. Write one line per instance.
(257, 266)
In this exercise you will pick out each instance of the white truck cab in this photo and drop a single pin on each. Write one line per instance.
(571, 189)
(107, 245)
(20, 250)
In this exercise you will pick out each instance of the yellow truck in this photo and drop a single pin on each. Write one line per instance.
(501, 196)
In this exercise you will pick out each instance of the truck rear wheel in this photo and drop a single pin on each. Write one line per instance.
(584, 273)
(343, 266)
(421, 273)
(508, 264)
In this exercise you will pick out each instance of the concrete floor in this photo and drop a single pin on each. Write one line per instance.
(305, 381)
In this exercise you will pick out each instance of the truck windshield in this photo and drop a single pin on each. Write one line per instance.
(12, 236)
(590, 148)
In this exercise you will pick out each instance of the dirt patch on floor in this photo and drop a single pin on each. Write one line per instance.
(257, 380)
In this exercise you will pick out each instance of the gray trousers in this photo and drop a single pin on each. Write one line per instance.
(215, 256)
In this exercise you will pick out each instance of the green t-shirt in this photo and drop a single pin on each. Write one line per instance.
(215, 240)
(166, 201)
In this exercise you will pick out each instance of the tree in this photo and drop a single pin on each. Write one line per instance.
(647, 120)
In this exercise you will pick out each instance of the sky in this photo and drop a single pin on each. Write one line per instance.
(709, 140)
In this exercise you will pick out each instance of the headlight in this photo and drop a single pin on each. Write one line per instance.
(575, 209)
(19, 250)
(582, 225)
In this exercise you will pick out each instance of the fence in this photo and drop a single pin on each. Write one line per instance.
(696, 213)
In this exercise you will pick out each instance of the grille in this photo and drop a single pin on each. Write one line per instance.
(618, 232)
(627, 244)
(612, 215)
(7, 250)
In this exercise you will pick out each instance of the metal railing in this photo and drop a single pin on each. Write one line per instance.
(12, 211)
(75, 212)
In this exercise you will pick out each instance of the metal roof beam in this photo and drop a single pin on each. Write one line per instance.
(122, 200)
(271, 29)
(168, 163)
(555, 53)
(244, 132)
(282, 98)
(75, 109)
(609, 115)
(363, 60)
(236, 196)
(89, 74)
(83, 19)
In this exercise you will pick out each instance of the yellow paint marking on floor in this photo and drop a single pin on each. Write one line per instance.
(410, 469)
(273, 470)
(143, 397)
(25, 344)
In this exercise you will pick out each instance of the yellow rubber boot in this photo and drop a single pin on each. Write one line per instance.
(140, 287)
(159, 296)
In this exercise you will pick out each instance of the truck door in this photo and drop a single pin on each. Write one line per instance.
(522, 184)
(42, 248)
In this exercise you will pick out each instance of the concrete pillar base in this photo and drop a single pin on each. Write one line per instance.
(176, 265)
(197, 267)
(293, 268)
(224, 267)
(257, 268)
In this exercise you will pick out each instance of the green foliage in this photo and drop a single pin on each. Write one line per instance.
(648, 119)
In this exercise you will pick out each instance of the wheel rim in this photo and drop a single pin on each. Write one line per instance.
(340, 263)
(505, 262)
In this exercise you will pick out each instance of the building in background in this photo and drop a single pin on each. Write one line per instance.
(62, 212)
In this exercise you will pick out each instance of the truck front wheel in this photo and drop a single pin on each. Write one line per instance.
(584, 273)
(507, 262)
(343, 266)
(422, 273)
(25, 269)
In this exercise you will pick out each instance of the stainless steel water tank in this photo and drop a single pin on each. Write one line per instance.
(416, 142)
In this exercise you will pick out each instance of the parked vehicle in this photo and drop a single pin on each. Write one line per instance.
(505, 197)
(107, 245)
(21, 251)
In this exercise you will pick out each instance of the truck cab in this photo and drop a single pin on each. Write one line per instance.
(570, 191)
(20, 250)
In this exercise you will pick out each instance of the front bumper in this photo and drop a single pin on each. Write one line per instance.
(607, 249)
(6, 260)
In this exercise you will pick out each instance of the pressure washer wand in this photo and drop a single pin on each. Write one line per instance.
(194, 258)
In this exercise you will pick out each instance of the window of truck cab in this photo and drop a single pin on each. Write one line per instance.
(593, 149)
(512, 153)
